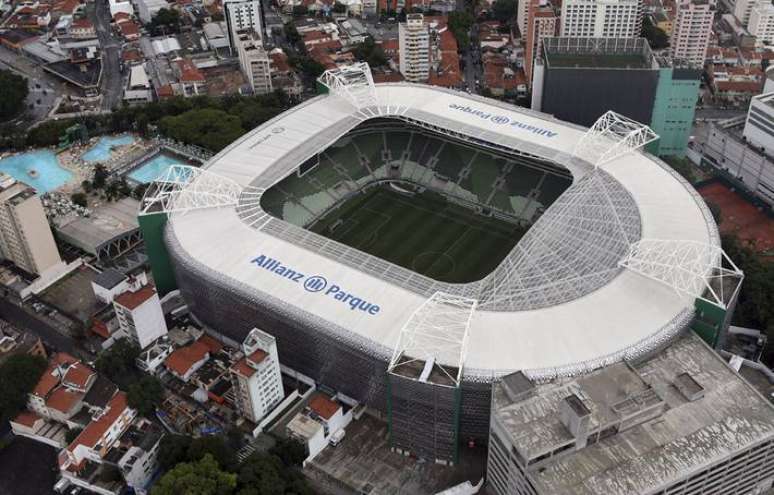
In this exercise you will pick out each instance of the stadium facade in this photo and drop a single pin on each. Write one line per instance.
(616, 267)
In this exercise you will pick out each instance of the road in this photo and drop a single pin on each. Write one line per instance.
(44, 88)
(719, 113)
(112, 80)
(25, 321)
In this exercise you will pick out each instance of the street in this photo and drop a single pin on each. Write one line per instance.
(112, 79)
(44, 88)
(24, 321)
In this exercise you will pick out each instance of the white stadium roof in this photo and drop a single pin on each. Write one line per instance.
(561, 303)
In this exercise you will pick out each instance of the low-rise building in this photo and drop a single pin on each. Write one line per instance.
(140, 463)
(185, 361)
(321, 421)
(110, 282)
(679, 422)
(60, 391)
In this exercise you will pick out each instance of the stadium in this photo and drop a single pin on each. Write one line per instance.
(407, 245)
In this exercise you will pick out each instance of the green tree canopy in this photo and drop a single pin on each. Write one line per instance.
(79, 199)
(165, 21)
(339, 8)
(173, 450)
(12, 96)
(145, 395)
(459, 23)
(18, 376)
(202, 477)
(370, 52)
(117, 363)
(657, 38)
(504, 10)
(209, 128)
(291, 452)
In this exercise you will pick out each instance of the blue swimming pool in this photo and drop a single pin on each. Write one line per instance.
(50, 174)
(101, 151)
(153, 168)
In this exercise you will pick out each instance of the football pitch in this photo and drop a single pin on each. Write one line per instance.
(423, 232)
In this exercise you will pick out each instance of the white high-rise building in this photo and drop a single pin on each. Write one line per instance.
(414, 44)
(140, 316)
(742, 10)
(692, 30)
(601, 18)
(25, 236)
(256, 377)
(242, 15)
(255, 62)
(522, 13)
(761, 23)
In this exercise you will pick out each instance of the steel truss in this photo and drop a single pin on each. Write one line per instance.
(183, 188)
(611, 137)
(354, 83)
(436, 333)
(693, 269)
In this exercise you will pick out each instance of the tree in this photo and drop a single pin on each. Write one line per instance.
(459, 23)
(145, 395)
(657, 38)
(290, 452)
(100, 177)
(12, 96)
(209, 128)
(87, 186)
(291, 33)
(79, 199)
(370, 52)
(714, 208)
(72, 434)
(139, 190)
(18, 376)
(300, 10)
(203, 477)
(165, 21)
(339, 8)
(260, 475)
(117, 363)
(504, 10)
(173, 450)
(216, 446)
(109, 473)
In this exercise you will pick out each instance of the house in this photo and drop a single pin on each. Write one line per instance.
(318, 423)
(186, 360)
(191, 80)
(59, 392)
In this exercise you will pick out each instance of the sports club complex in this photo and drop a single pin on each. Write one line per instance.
(313, 227)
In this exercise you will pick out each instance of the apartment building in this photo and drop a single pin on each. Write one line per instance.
(25, 236)
(242, 15)
(256, 377)
(140, 316)
(743, 9)
(601, 18)
(681, 421)
(255, 62)
(414, 43)
(761, 23)
(692, 30)
(542, 22)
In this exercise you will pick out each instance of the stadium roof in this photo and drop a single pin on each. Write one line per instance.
(560, 303)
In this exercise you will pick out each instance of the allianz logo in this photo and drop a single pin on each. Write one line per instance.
(315, 284)
(503, 120)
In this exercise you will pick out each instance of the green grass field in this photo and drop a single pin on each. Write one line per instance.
(423, 232)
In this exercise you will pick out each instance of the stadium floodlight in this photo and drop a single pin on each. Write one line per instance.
(436, 333)
(611, 137)
(693, 269)
(354, 83)
(182, 188)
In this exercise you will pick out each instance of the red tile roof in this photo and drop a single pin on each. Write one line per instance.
(78, 375)
(166, 91)
(129, 29)
(213, 345)
(50, 378)
(63, 400)
(181, 360)
(82, 23)
(94, 431)
(121, 16)
(26, 418)
(130, 300)
(323, 406)
(242, 368)
(258, 356)
(189, 72)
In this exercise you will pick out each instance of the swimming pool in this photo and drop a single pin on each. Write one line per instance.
(101, 151)
(155, 167)
(50, 174)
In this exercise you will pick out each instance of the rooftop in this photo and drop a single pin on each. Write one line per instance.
(323, 406)
(109, 278)
(131, 300)
(686, 432)
(95, 430)
(596, 53)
